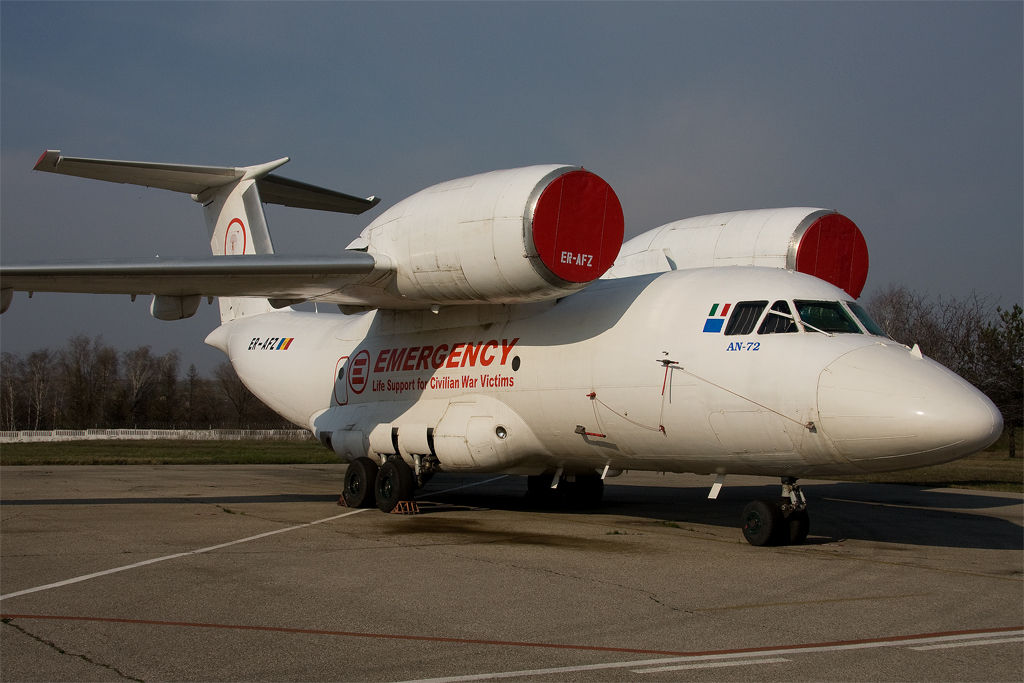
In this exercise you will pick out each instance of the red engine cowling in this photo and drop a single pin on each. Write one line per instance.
(512, 236)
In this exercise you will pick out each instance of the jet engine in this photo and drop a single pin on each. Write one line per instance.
(511, 236)
(817, 242)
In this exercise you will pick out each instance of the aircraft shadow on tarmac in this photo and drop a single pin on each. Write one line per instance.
(871, 512)
(882, 513)
(179, 500)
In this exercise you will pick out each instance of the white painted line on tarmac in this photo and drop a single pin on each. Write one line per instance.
(993, 641)
(175, 556)
(734, 657)
(712, 665)
(704, 659)
(136, 565)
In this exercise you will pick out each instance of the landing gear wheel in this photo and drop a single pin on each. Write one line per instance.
(587, 490)
(796, 527)
(762, 520)
(538, 486)
(360, 478)
(395, 482)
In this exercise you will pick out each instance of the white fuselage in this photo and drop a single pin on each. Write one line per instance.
(626, 374)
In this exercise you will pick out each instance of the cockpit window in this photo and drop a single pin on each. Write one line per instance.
(744, 317)
(779, 320)
(826, 316)
(870, 325)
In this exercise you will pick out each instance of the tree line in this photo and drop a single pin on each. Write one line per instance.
(88, 384)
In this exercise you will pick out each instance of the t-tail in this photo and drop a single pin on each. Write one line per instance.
(237, 226)
(232, 199)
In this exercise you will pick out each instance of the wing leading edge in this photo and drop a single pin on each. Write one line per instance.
(353, 278)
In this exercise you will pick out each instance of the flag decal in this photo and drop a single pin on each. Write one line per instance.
(716, 318)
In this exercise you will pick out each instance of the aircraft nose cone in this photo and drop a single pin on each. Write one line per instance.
(887, 408)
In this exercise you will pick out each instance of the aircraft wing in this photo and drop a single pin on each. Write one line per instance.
(352, 278)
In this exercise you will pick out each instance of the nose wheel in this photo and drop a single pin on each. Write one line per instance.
(777, 521)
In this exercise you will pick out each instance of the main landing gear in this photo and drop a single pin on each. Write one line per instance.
(583, 490)
(368, 484)
(778, 521)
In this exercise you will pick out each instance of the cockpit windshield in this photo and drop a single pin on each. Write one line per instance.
(870, 325)
(779, 320)
(826, 316)
(823, 317)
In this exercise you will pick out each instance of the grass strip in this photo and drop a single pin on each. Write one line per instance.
(168, 452)
(988, 470)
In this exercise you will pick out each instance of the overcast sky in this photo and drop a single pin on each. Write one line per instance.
(905, 117)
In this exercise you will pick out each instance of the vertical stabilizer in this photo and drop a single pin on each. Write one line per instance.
(237, 226)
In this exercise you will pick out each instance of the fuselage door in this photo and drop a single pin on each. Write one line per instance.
(340, 382)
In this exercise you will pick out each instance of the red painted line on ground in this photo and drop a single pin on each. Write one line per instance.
(505, 643)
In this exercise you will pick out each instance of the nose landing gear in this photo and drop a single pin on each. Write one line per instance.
(777, 521)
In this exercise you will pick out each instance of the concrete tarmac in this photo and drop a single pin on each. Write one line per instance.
(254, 573)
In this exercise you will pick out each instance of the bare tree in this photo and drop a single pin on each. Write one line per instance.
(139, 370)
(87, 372)
(947, 330)
(235, 391)
(37, 384)
(8, 391)
(1001, 357)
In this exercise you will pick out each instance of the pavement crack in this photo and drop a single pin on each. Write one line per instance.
(57, 648)
(603, 583)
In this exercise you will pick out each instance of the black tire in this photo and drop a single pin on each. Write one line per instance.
(797, 525)
(587, 490)
(395, 482)
(538, 486)
(762, 520)
(360, 481)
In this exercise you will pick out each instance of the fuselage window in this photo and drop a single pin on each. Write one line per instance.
(744, 317)
(779, 320)
(826, 316)
(870, 325)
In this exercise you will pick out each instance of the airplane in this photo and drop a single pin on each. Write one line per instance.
(498, 323)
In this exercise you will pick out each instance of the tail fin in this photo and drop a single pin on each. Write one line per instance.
(231, 202)
(237, 226)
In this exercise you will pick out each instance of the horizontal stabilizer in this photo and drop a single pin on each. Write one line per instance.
(287, 192)
(197, 179)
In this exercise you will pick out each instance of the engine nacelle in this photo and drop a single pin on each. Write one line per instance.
(512, 236)
(818, 242)
(166, 307)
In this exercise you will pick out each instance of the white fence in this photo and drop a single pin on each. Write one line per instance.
(150, 434)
